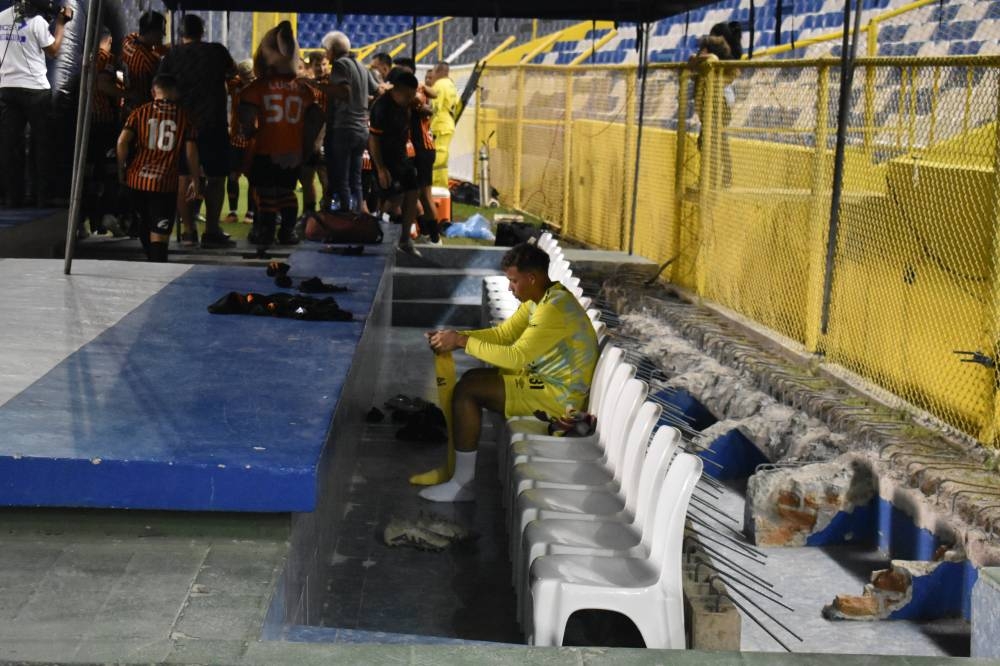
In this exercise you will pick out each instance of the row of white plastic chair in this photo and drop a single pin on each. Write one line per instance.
(597, 522)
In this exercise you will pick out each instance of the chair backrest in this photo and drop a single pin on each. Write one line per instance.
(600, 330)
(620, 376)
(609, 359)
(594, 314)
(544, 240)
(635, 450)
(622, 418)
(671, 513)
(654, 468)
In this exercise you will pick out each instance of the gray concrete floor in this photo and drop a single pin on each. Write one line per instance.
(139, 586)
(463, 592)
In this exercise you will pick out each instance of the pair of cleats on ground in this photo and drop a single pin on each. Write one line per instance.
(279, 271)
(422, 421)
(428, 532)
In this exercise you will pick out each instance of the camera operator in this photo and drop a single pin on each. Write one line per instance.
(25, 94)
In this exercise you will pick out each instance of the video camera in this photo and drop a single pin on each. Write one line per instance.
(47, 9)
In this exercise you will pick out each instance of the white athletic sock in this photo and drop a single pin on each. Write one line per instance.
(459, 488)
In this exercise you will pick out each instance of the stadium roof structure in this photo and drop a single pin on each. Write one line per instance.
(605, 10)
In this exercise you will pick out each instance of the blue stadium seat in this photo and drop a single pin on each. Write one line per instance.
(957, 31)
(893, 33)
(993, 11)
(944, 13)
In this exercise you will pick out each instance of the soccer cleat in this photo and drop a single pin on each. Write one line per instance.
(110, 222)
(248, 218)
(189, 239)
(406, 245)
(232, 218)
(216, 240)
(404, 533)
(446, 528)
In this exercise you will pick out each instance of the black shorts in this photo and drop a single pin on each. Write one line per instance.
(213, 153)
(266, 174)
(236, 158)
(424, 162)
(154, 210)
(404, 178)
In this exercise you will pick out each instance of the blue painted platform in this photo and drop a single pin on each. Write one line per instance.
(174, 408)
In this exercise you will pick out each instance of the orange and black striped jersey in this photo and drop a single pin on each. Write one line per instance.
(139, 62)
(281, 102)
(420, 125)
(105, 106)
(236, 138)
(160, 131)
(318, 95)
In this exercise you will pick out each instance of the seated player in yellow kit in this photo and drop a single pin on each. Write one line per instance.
(543, 358)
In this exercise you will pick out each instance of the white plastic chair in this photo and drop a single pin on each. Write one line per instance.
(572, 474)
(529, 438)
(615, 415)
(647, 590)
(587, 502)
(607, 362)
(626, 534)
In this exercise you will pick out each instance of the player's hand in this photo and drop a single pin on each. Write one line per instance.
(66, 14)
(443, 342)
(384, 178)
(193, 191)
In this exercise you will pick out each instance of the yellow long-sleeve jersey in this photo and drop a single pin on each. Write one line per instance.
(546, 353)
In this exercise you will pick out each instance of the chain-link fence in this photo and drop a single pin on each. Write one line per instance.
(734, 185)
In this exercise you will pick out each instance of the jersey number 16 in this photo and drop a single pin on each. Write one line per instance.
(162, 134)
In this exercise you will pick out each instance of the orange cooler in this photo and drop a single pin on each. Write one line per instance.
(441, 197)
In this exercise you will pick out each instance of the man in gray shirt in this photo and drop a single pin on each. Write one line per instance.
(348, 95)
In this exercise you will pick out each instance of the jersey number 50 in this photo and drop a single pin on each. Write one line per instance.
(162, 134)
(278, 108)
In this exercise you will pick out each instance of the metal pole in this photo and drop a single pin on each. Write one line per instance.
(846, 78)
(83, 112)
(414, 51)
(643, 72)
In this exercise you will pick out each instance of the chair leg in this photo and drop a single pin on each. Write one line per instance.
(548, 622)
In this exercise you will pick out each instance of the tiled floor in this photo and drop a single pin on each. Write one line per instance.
(463, 592)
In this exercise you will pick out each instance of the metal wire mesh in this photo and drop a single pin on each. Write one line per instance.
(916, 259)
(734, 186)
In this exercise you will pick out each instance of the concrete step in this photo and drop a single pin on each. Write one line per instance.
(458, 312)
(418, 283)
(599, 263)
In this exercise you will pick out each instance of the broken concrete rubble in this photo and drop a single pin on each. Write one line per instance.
(906, 590)
(786, 505)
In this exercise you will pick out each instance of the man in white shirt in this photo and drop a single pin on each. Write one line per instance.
(25, 94)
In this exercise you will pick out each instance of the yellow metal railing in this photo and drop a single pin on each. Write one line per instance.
(405, 38)
(734, 185)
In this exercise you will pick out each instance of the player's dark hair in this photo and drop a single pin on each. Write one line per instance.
(400, 78)
(526, 258)
(315, 57)
(408, 63)
(151, 21)
(192, 27)
(383, 57)
(165, 82)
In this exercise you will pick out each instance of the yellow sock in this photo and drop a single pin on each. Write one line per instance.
(444, 370)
